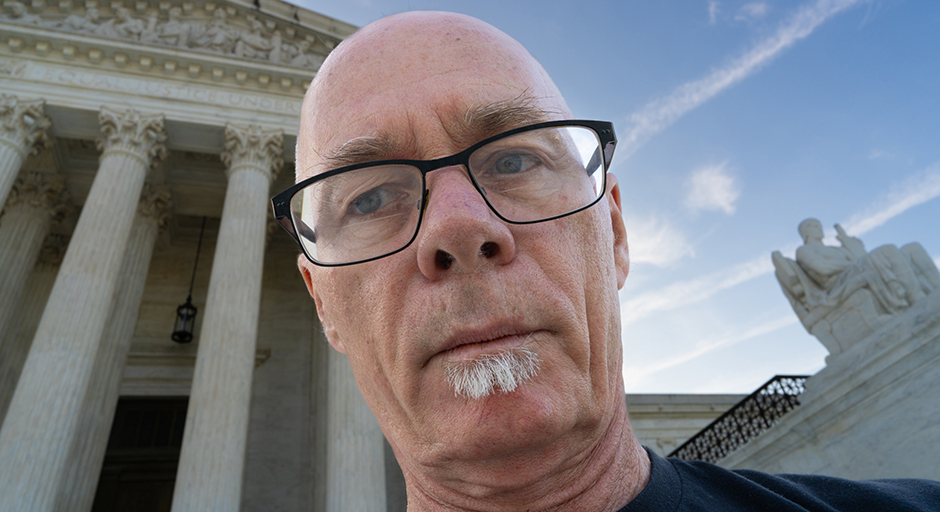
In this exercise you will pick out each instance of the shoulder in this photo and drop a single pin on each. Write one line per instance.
(677, 485)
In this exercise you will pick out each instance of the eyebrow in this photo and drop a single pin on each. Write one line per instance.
(478, 123)
(493, 118)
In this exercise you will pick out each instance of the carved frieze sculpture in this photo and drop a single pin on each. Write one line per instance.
(844, 293)
(248, 38)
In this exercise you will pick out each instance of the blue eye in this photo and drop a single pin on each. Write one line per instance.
(370, 201)
(513, 163)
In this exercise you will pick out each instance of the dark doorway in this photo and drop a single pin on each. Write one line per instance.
(139, 468)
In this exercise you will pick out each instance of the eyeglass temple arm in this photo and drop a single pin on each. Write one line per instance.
(286, 224)
(609, 153)
(305, 230)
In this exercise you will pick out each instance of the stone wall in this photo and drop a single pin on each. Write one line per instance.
(664, 422)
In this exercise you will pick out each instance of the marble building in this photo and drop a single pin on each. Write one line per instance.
(124, 126)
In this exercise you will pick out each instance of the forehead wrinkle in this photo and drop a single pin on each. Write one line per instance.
(479, 121)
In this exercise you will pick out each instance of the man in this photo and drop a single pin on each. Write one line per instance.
(475, 296)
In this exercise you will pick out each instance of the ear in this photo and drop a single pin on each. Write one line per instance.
(328, 328)
(621, 250)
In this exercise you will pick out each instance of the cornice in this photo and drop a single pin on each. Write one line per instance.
(216, 43)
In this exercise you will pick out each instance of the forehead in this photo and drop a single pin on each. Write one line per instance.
(422, 89)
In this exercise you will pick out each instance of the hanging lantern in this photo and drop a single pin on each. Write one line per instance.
(185, 320)
(186, 313)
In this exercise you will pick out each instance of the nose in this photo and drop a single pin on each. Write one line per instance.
(459, 233)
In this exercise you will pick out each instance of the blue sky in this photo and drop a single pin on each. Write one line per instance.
(737, 120)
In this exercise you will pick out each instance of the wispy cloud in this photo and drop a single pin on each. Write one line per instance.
(711, 188)
(655, 241)
(661, 113)
(916, 189)
(632, 375)
(712, 12)
(877, 153)
(912, 191)
(752, 11)
(694, 290)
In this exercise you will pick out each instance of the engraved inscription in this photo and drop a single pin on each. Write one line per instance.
(179, 92)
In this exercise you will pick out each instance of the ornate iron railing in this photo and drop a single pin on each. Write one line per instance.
(744, 421)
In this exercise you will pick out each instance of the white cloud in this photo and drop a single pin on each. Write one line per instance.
(633, 375)
(655, 241)
(752, 11)
(694, 290)
(912, 191)
(877, 153)
(661, 113)
(712, 12)
(711, 188)
(916, 189)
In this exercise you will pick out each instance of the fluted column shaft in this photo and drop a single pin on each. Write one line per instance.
(355, 454)
(22, 130)
(42, 421)
(209, 477)
(28, 214)
(15, 341)
(94, 426)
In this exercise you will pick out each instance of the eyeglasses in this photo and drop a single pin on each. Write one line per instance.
(370, 210)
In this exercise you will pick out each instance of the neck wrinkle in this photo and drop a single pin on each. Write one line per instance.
(617, 480)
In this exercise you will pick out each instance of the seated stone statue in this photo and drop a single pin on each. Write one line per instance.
(842, 294)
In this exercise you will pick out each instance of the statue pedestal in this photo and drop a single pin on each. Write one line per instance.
(873, 412)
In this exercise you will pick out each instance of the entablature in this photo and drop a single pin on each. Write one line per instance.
(215, 42)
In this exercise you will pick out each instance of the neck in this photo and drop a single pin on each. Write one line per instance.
(605, 476)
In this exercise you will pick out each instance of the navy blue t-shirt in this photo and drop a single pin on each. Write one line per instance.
(677, 485)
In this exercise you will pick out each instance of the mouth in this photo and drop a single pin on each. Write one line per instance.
(470, 345)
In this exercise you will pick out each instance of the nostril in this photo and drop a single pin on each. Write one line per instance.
(489, 249)
(443, 260)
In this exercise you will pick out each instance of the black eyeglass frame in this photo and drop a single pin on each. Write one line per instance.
(284, 216)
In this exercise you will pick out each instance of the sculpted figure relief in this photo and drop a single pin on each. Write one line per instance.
(121, 26)
(82, 23)
(253, 44)
(19, 14)
(829, 286)
(218, 34)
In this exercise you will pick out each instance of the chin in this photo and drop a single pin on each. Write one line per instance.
(505, 425)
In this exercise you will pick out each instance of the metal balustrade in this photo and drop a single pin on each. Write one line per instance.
(745, 421)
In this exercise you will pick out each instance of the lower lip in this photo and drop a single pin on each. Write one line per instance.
(472, 351)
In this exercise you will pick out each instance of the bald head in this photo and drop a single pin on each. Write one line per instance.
(415, 73)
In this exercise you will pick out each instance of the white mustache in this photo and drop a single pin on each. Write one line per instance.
(484, 375)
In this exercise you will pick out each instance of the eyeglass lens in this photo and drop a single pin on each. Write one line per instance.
(373, 211)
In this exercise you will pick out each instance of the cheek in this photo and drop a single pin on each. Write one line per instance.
(360, 303)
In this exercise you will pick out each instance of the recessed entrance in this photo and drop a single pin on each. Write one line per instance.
(139, 468)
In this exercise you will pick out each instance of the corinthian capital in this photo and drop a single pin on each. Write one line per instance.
(133, 134)
(53, 250)
(252, 146)
(23, 124)
(155, 202)
(43, 191)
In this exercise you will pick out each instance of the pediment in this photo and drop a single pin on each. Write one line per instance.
(270, 45)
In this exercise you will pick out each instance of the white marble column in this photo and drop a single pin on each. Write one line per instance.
(355, 467)
(94, 426)
(35, 201)
(15, 341)
(22, 131)
(42, 421)
(209, 477)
